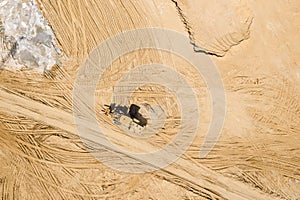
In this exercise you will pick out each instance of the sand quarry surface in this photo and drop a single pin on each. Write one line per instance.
(254, 44)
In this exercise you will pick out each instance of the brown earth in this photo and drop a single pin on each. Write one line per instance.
(254, 44)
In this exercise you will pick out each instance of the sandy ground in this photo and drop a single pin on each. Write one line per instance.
(254, 44)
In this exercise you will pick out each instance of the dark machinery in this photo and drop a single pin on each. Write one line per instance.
(130, 118)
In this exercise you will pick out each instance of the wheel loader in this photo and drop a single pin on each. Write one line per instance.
(127, 118)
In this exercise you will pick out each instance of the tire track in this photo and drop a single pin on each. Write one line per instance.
(186, 170)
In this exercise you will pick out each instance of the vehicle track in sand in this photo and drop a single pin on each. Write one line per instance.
(257, 156)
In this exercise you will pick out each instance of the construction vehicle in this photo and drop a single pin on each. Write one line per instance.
(127, 118)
